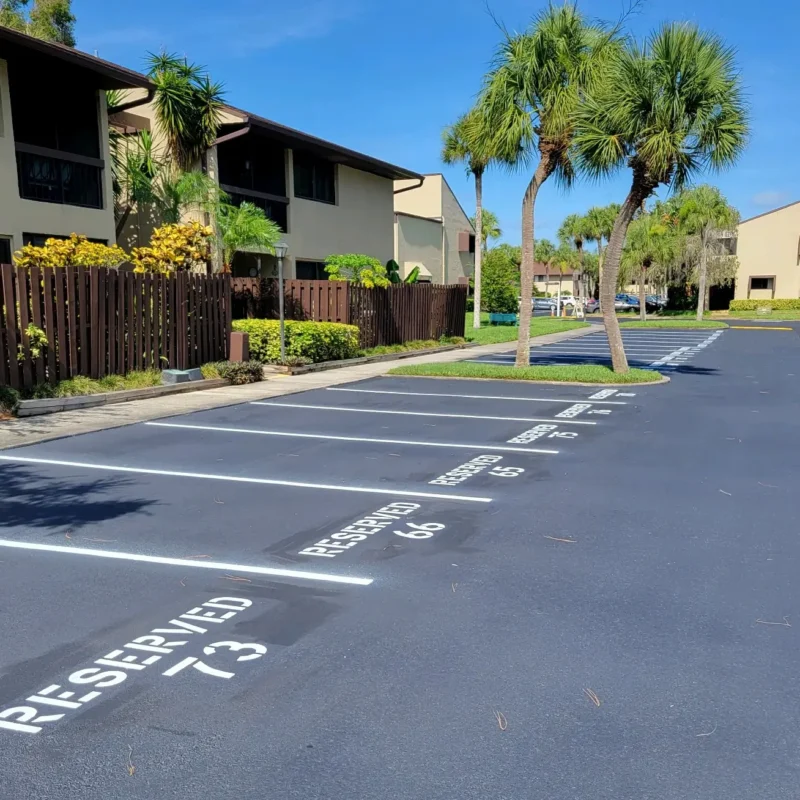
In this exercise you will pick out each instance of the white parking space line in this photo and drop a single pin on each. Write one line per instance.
(406, 413)
(186, 563)
(265, 481)
(329, 437)
(473, 396)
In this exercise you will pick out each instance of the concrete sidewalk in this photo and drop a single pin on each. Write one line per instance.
(19, 432)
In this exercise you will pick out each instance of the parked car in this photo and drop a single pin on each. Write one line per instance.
(657, 303)
(543, 303)
(591, 306)
(626, 302)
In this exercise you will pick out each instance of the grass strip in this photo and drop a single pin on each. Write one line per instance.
(580, 373)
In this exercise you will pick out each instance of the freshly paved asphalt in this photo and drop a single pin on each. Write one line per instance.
(465, 670)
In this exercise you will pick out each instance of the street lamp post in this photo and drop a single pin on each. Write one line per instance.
(280, 252)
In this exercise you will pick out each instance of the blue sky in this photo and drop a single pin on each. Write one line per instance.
(385, 76)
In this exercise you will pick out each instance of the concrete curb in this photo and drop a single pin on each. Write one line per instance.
(664, 379)
(52, 405)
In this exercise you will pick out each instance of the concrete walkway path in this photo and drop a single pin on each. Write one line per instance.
(19, 432)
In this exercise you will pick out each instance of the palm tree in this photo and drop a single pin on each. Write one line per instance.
(702, 211)
(666, 109)
(188, 108)
(574, 231)
(530, 96)
(599, 224)
(134, 169)
(245, 228)
(470, 141)
(543, 253)
(650, 243)
(490, 227)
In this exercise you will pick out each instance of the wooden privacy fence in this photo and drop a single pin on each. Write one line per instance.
(393, 315)
(108, 322)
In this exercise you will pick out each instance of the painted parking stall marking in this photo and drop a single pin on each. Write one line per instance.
(50, 704)
(541, 431)
(474, 467)
(362, 529)
(574, 410)
(468, 396)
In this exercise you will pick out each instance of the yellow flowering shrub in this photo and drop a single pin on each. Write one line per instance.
(77, 251)
(185, 246)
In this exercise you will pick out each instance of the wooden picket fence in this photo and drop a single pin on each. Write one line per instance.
(108, 322)
(392, 315)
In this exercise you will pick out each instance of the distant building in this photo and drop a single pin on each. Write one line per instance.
(432, 231)
(768, 249)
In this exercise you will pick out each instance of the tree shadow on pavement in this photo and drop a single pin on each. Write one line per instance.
(31, 500)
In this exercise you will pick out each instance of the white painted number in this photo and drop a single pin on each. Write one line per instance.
(258, 650)
(507, 472)
(424, 531)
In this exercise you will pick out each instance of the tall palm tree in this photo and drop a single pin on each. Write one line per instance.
(188, 108)
(544, 253)
(490, 227)
(574, 231)
(531, 95)
(650, 243)
(666, 109)
(702, 211)
(470, 141)
(599, 224)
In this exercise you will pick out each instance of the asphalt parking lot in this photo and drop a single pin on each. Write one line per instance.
(663, 350)
(416, 588)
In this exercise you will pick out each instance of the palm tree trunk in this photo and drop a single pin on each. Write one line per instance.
(642, 293)
(600, 256)
(640, 191)
(476, 316)
(543, 169)
(702, 278)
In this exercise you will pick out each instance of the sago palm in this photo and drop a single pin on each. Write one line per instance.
(667, 109)
(531, 96)
(470, 141)
(702, 211)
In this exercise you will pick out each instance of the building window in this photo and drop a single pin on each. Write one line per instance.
(5, 250)
(539, 278)
(276, 210)
(310, 271)
(728, 245)
(314, 178)
(762, 284)
(51, 179)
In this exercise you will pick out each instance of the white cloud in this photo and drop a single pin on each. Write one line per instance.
(770, 198)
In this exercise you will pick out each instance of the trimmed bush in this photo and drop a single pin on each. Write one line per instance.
(235, 372)
(317, 341)
(786, 304)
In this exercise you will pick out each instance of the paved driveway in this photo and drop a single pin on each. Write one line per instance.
(414, 588)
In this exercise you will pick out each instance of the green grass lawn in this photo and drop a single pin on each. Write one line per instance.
(491, 334)
(581, 373)
(672, 322)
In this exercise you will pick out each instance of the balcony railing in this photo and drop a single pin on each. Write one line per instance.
(53, 176)
(274, 206)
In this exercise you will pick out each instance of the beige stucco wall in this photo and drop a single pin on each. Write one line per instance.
(436, 200)
(360, 222)
(768, 246)
(422, 201)
(418, 241)
(457, 265)
(19, 216)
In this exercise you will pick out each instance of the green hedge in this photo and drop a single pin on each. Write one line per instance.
(774, 305)
(318, 341)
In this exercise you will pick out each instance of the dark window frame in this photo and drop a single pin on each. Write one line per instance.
(266, 202)
(766, 279)
(6, 242)
(319, 273)
(302, 160)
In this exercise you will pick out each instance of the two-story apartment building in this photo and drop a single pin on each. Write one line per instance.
(55, 175)
(326, 198)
